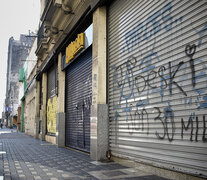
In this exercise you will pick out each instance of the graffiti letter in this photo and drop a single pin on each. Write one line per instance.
(190, 122)
(172, 76)
(159, 118)
(196, 135)
(153, 73)
(131, 63)
(204, 130)
(190, 51)
(139, 32)
(144, 112)
(137, 83)
(161, 74)
(168, 113)
(166, 17)
(120, 82)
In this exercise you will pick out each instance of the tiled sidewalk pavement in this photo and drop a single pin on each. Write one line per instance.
(32, 159)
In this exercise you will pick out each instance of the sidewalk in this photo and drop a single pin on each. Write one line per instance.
(23, 157)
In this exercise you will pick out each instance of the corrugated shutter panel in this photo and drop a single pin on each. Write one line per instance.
(78, 102)
(51, 81)
(158, 82)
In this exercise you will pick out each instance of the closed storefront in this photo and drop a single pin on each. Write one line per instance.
(157, 83)
(77, 64)
(78, 101)
(52, 80)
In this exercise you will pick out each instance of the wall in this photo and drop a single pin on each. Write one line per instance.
(30, 111)
(30, 90)
(32, 58)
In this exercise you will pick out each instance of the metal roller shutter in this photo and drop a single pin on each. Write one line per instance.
(158, 82)
(78, 102)
(51, 99)
(52, 82)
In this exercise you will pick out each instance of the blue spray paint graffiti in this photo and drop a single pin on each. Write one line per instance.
(160, 20)
(135, 81)
(129, 84)
(201, 33)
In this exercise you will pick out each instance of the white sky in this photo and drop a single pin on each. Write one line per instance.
(16, 17)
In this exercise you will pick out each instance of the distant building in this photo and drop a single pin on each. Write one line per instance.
(17, 53)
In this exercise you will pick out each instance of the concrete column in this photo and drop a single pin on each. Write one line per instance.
(44, 108)
(61, 86)
(60, 129)
(37, 108)
(99, 109)
(37, 123)
(60, 116)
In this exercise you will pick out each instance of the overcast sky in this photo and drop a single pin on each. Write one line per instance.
(16, 17)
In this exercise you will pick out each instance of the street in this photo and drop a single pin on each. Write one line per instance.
(24, 157)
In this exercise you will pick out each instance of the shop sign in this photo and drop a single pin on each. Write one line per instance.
(75, 47)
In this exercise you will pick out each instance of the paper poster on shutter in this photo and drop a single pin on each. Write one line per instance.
(51, 115)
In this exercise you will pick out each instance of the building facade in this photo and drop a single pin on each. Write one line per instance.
(28, 91)
(17, 53)
(125, 80)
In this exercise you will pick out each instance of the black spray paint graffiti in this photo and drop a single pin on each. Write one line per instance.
(126, 81)
(172, 76)
(165, 82)
(131, 85)
(190, 51)
(138, 120)
(141, 119)
(190, 125)
(169, 79)
(204, 130)
(167, 122)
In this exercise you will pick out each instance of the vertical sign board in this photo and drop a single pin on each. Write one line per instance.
(158, 83)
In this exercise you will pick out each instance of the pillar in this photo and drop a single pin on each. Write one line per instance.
(60, 116)
(44, 107)
(37, 108)
(99, 109)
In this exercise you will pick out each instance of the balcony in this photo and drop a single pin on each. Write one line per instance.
(47, 4)
(58, 19)
(41, 41)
